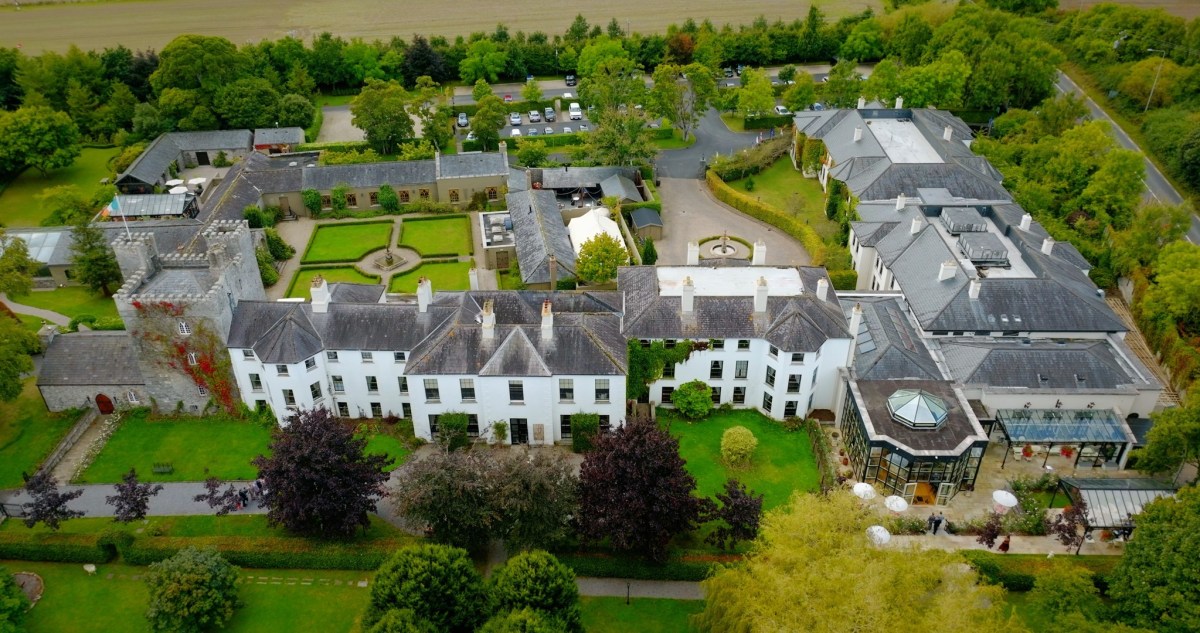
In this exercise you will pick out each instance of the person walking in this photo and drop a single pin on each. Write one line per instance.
(1005, 544)
(937, 522)
(243, 498)
(931, 523)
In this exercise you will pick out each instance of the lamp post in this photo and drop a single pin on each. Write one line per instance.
(1163, 58)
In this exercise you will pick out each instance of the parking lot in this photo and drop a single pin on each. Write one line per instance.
(562, 123)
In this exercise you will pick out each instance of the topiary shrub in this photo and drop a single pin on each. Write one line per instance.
(388, 199)
(737, 445)
(584, 427)
(452, 431)
(693, 399)
(280, 249)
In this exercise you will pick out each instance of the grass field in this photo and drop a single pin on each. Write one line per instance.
(71, 301)
(641, 615)
(443, 276)
(437, 236)
(302, 280)
(676, 141)
(782, 463)
(28, 433)
(786, 189)
(142, 25)
(346, 242)
(222, 446)
(75, 601)
(19, 205)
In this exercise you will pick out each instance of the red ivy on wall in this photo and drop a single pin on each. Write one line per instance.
(201, 355)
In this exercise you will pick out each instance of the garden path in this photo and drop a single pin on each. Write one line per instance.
(47, 315)
(1018, 545)
(77, 454)
(176, 499)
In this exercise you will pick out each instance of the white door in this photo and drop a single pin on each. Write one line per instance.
(909, 491)
(945, 493)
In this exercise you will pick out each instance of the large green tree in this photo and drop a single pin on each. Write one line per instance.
(17, 344)
(1176, 288)
(682, 101)
(195, 590)
(538, 581)
(597, 52)
(13, 603)
(16, 267)
(92, 260)
(813, 569)
(756, 96)
(199, 62)
(1154, 226)
(1173, 441)
(295, 111)
(599, 258)
(484, 60)
(620, 139)
(37, 137)
(250, 102)
(381, 110)
(1156, 584)
(488, 120)
(438, 583)
(613, 82)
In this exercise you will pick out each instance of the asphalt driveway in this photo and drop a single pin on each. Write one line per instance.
(712, 137)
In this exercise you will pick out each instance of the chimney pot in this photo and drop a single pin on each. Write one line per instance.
(899, 102)
(916, 225)
(760, 254)
(693, 254)
(547, 318)
(901, 202)
(424, 294)
(760, 296)
(823, 289)
(688, 300)
(856, 316)
(1026, 222)
(976, 286)
(319, 291)
(947, 270)
(948, 134)
(1048, 245)
(488, 320)
(862, 103)
(857, 134)
(553, 273)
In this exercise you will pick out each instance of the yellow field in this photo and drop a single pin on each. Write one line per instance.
(153, 23)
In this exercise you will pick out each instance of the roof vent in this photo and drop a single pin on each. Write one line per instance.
(917, 409)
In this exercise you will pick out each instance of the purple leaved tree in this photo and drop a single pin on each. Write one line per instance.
(223, 501)
(132, 499)
(741, 510)
(47, 505)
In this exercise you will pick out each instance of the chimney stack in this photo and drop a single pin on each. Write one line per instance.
(976, 286)
(856, 317)
(553, 273)
(948, 134)
(916, 225)
(901, 202)
(473, 278)
(899, 102)
(823, 289)
(487, 319)
(862, 103)
(857, 134)
(947, 270)
(547, 319)
(693, 254)
(760, 254)
(689, 295)
(424, 294)
(760, 296)
(320, 295)
(1026, 222)
(1048, 245)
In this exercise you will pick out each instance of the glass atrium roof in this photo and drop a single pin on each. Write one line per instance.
(1064, 425)
(917, 408)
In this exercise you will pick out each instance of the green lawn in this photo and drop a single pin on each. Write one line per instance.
(31, 323)
(274, 599)
(676, 141)
(509, 282)
(390, 444)
(438, 236)
(782, 463)
(71, 301)
(443, 276)
(197, 447)
(19, 205)
(302, 280)
(334, 100)
(641, 615)
(784, 188)
(734, 122)
(28, 433)
(347, 242)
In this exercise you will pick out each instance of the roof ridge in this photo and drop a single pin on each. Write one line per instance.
(587, 331)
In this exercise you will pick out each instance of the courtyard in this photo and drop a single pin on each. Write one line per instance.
(347, 242)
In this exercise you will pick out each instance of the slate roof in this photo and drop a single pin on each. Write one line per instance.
(795, 324)
(151, 165)
(472, 165)
(212, 140)
(90, 358)
(906, 178)
(539, 232)
(957, 434)
(579, 177)
(518, 179)
(278, 136)
(1075, 365)
(888, 347)
(367, 175)
(621, 187)
(355, 293)
(643, 217)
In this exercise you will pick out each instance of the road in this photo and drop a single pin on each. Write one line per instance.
(1157, 186)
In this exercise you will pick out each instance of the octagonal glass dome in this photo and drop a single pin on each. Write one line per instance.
(917, 408)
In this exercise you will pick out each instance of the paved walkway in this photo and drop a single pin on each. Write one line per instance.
(1018, 545)
(174, 500)
(70, 463)
(45, 315)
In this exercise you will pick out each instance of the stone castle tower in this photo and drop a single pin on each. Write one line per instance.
(178, 307)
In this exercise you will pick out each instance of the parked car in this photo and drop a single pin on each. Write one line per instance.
(549, 130)
(550, 116)
(532, 131)
(535, 116)
(516, 132)
(514, 118)
(583, 127)
(462, 120)
(728, 72)
(571, 80)
(471, 136)
(567, 129)
(507, 98)
(575, 111)
(782, 111)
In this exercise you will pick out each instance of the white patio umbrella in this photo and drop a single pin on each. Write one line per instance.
(1005, 500)
(895, 504)
(864, 491)
(174, 182)
(178, 190)
(878, 534)
(197, 181)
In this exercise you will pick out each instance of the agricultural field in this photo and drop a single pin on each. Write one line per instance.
(151, 24)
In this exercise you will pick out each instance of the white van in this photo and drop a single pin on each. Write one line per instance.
(575, 111)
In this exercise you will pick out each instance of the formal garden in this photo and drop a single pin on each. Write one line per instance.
(20, 205)
(437, 236)
(442, 275)
(302, 280)
(346, 241)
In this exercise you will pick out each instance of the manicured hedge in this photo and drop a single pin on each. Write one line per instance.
(804, 233)
(56, 548)
(1017, 572)
(559, 140)
(662, 133)
(843, 279)
(269, 552)
(767, 121)
(600, 566)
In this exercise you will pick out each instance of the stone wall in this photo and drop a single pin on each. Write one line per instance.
(61, 398)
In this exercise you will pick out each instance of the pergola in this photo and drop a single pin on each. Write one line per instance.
(1112, 503)
(1056, 427)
